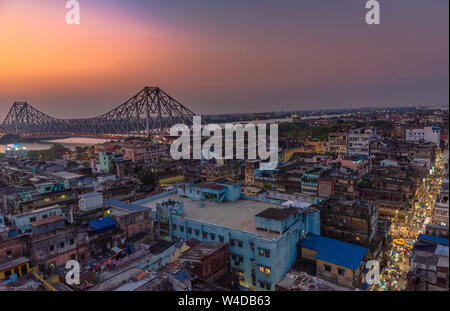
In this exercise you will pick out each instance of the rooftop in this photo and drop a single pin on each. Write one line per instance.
(159, 246)
(13, 263)
(201, 250)
(66, 175)
(433, 239)
(46, 221)
(210, 185)
(302, 281)
(334, 251)
(126, 206)
(277, 214)
(238, 215)
(90, 195)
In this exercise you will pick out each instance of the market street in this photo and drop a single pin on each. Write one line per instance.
(393, 276)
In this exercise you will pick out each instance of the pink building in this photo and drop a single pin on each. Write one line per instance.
(143, 151)
(360, 165)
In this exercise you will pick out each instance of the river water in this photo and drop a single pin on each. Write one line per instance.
(72, 142)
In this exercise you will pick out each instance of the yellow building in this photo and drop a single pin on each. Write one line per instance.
(315, 145)
(19, 266)
(170, 180)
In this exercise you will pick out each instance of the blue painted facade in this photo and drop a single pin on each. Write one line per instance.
(260, 263)
(158, 261)
(22, 221)
(224, 192)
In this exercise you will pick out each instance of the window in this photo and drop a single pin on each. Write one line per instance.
(213, 236)
(240, 243)
(61, 244)
(232, 242)
(221, 238)
(261, 268)
(267, 271)
(205, 235)
(189, 230)
(268, 285)
(174, 227)
(197, 232)
(32, 219)
(267, 253)
(181, 228)
(252, 246)
(9, 254)
(341, 272)
(253, 262)
(71, 241)
(52, 248)
(72, 257)
(7, 274)
(45, 216)
(233, 256)
(327, 268)
(261, 252)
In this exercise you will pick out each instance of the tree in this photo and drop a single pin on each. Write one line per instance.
(147, 178)
(71, 163)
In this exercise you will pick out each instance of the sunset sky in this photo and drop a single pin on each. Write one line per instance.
(221, 56)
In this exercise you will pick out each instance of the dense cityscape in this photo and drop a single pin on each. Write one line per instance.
(224, 154)
(352, 192)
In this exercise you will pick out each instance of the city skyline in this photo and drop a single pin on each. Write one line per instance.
(223, 58)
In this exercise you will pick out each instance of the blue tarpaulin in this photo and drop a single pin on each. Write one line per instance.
(434, 239)
(334, 251)
(103, 224)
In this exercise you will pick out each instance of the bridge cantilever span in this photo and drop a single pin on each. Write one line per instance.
(149, 112)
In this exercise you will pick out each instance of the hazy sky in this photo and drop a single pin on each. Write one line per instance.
(219, 56)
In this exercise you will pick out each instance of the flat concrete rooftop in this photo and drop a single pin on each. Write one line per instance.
(239, 215)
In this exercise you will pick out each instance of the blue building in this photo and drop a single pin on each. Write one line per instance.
(106, 160)
(15, 151)
(23, 221)
(262, 235)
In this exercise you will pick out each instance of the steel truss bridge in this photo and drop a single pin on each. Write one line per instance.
(149, 112)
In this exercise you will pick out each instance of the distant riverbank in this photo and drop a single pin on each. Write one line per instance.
(70, 142)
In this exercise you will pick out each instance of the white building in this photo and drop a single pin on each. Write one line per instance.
(90, 201)
(359, 141)
(428, 134)
(440, 213)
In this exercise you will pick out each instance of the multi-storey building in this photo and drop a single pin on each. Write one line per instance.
(349, 219)
(359, 141)
(44, 195)
(310, 179)
(358, 165)
(13, 255)
(428, 134)
(337, 143)
(441, 206)
(54, 243)
(262, 235)
(142, 151)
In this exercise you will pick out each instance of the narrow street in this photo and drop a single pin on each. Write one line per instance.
(393, 276)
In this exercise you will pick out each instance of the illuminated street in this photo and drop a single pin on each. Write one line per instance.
(393, 276)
